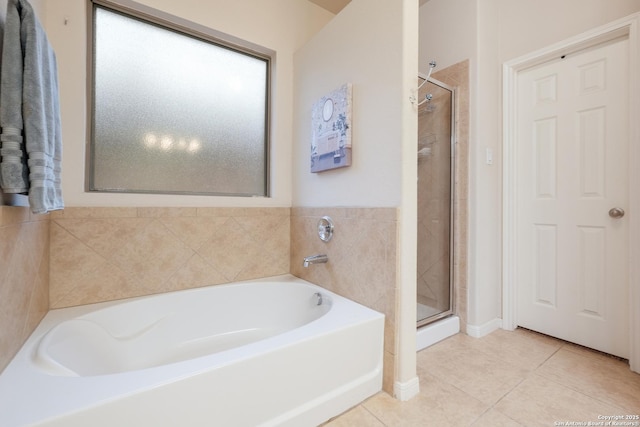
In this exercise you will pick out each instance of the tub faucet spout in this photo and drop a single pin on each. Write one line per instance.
(315, 259)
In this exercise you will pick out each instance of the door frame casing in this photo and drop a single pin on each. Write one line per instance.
(626, 27)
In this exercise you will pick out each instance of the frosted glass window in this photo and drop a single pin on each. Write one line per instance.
(173, 113)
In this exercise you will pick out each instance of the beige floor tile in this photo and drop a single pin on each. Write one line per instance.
(493, 418)
(518, 378)
(458, 362)
(522, 348)
(437, 404)
(602, 377)
(356, 417)
(538, 401)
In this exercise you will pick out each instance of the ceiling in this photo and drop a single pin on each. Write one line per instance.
(335, 6)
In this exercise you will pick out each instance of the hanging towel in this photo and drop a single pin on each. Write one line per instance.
(30, 142)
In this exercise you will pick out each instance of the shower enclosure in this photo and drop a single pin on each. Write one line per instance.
(436, 144)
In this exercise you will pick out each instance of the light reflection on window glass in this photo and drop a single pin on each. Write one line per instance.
(175, 114)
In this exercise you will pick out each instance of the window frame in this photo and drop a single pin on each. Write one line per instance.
(189, 29)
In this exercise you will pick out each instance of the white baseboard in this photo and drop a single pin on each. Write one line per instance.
(405, 391)
(485, 329)
(437, 331)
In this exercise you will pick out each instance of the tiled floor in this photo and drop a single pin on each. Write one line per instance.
(518, 378)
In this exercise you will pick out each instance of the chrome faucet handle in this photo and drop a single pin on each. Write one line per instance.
(325, 228)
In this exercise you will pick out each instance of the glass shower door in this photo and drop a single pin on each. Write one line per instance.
(435, 207)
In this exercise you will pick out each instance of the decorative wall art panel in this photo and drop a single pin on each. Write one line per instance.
(331, 133)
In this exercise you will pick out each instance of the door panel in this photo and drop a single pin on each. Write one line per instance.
(572, 260)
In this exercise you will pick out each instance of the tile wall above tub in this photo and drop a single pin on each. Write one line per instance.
(102, 254)
(362, 261)
(24, 278)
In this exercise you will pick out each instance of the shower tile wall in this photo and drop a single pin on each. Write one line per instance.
(101, 254)
(24, 277)
(362, 261)
(458, 76)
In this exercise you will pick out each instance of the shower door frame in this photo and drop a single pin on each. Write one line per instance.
(452, 198)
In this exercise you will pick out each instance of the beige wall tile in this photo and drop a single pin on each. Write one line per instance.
(72, 264)
(105, 236)
(11, 215)
(8, 240)
(234, 212)
(98, 212)
(388, 371)
(166, 212)
(151, 255)
(24, 279)
(194, 232)
(39, 300)
(228, 250)
(195, 272)
(112, 253)
(362, 260)
(101, 282)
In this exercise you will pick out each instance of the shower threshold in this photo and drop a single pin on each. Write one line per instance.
(435, 332)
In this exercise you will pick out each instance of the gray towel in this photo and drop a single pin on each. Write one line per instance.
(30, 142)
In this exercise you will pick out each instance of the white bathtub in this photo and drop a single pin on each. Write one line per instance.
(259, 353)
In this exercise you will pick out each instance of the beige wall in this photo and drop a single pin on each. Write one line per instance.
(520, 23)
(24, 277)
(516, 31)
(360, 46)
(447, 33)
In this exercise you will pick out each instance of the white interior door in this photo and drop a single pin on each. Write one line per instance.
(572, 175)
